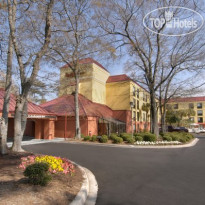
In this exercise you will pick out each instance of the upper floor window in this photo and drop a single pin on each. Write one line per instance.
(144, 97)
(199, 105)
(133, 90)
(191, 119)
(134, 103)
(175, 106)
(191, 105)
(199, 112)
(144, 117)
(138, 93)
(138, 105)
(168, 106)
(138, 116)
(200, 119)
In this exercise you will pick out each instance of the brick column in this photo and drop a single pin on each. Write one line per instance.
(38, 130)
(49, 129)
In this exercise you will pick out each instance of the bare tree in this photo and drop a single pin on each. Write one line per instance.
(7, 84)
(74, 39)
(28, 54)
(149, 52)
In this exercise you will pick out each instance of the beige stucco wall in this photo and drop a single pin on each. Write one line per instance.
(92, 83)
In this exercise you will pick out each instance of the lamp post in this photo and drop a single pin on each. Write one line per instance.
(132, 105)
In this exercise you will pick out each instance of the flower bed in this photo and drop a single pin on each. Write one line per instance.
(56, 164)
(157, 143)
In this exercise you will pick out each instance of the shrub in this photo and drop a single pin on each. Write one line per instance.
(138, 138)
(167, 138)
(130, 140)
(86, 138)
(125, 136)
(149, 137)
(117, 140)
(37, 173)
(93, 138)
(113, 135)
(178, 136)
(103, 139)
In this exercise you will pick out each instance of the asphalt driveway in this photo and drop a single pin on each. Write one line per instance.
(139, 176)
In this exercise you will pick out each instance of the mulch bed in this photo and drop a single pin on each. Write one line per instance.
(15, 190)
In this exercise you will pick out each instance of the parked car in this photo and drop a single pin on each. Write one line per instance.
(196, 128)
(174, 129)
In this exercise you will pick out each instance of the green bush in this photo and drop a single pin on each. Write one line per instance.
(86, 138)
(178, 136)
(103, 139)
(125, 136)
(167, 138)
(149, 137)
(130, 140)
(37, 173)
(138, 138)
(117, 140)
(113, 135)
(93, 138)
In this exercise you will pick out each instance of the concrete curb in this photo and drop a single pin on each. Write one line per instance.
(37, 141)
(89, 189)
(191, 144)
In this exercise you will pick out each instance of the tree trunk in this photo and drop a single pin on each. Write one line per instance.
(77, 118)
(153, 114)
(20, 119)
(4, 123)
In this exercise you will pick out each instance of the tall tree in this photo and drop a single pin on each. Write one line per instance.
(28, 53)
(148, 51)
(73, 40)
(7, 84)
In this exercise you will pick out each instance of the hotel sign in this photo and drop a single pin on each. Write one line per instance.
(38, 116)
(41, 116)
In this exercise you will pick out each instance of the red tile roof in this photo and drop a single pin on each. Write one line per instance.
(32, 108)
(65, 105)
(188, 99)
(88, 61)
(118, 78)
(121, 78)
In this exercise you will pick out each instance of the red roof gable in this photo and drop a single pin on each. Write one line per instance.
(65, 105)
(120, 78)
(88, 61)
(188, 99)
(32, 108)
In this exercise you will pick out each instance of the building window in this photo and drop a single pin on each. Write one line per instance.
(175, 106)
(134, 103)
(134, 115)
(138, 93)
(199, 112)
(191, 105)
(138, 105)
(133, 90)
(138, 116)
(168, 106)
(144, 97)
(191, 119)
(199, 105)
(200, 119)
(144, 117)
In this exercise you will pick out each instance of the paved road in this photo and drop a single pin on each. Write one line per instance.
(139, 176)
